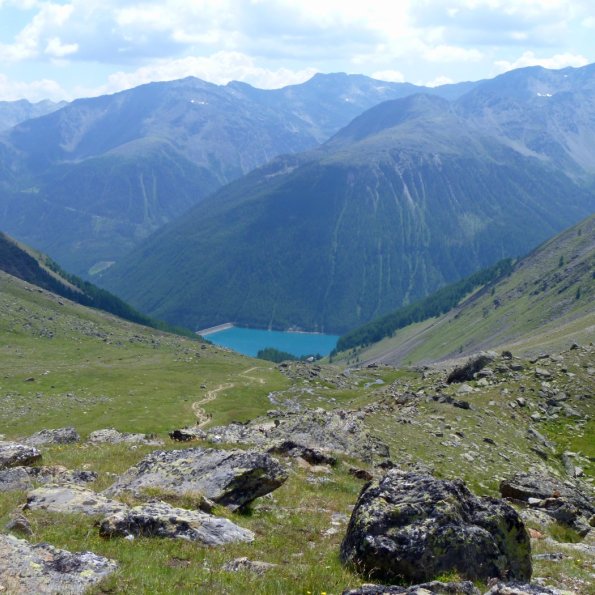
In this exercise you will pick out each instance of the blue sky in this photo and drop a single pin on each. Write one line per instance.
(63, 49)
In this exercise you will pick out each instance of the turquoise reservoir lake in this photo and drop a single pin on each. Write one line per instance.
(250, 341)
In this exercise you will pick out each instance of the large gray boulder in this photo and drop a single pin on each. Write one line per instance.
(24, 478)
(71, 499)
(229, 477)
(13, 454)
(45, 570)
(336, 431)
(413, 527)
(159, 519)
(58, 436)
(565, 502)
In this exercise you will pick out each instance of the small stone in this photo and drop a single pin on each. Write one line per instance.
(19, 523)
(246, 565)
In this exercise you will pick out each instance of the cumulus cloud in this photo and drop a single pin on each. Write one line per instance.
(33, 91)
(449, 53)
(57, 49)
(391, 76)
(276, 42)
(438, 81)
(530, 59)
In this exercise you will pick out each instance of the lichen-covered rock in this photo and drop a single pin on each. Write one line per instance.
(565, 502)
(334, 431)
(45, 570)
(58, 436)
(13, 454)
(24, 478)
(413, 527)
(112, 436)
(434, 587)
(71, 499)
(229, 477)
(159, 519)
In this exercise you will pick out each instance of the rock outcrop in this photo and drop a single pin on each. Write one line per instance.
(13, 454)
(112, 436)
(413, 527)
(563, 501)
(58, 436)
(71, 499)
(43, 569)
(468, 371)
(229, 477)
(336, 431)
(159, 519)
(24, 478)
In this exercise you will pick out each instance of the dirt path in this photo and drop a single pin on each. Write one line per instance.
(202, 417)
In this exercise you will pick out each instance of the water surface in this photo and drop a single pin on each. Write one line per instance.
(250, 341)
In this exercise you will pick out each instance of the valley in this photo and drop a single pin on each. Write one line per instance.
(65, 364)
(339, 339)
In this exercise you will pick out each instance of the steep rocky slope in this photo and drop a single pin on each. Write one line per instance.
(548, 299)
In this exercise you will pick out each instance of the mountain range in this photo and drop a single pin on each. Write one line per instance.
(412, 194)
(87, 182)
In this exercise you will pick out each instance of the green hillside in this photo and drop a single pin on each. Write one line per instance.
(63, 363)
(36, 268)
(546, 302)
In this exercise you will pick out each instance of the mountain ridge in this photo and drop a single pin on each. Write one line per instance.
(210, 135)
(393, 206)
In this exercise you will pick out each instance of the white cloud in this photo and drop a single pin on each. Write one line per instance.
(438, 81)
(530, 59)
(33, 91)
(220, 68)
(57, 49)
(391, 76)
(449, 53)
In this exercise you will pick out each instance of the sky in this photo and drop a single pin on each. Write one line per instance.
(64, 49)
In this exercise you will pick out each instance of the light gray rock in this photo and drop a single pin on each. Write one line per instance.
(58, 436)
(45, 570)
(112, 436)
(24, 478)
(229, 477)
(159, 519)
(71, 499)
(13, 454)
